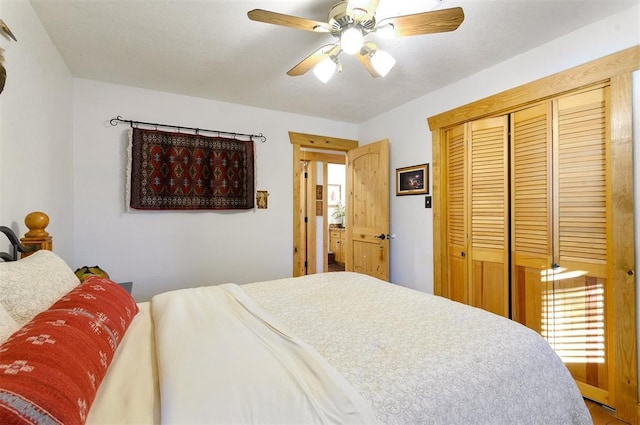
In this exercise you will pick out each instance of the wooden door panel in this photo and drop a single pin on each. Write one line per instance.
(527, 296)
(531, 208)
(456, 279)
(560, 233)
(575, 327)
(488, 213)
(368, 256)
(489, 281)
(582, 178)
(582, 292)
(456, 287)
(367, 210)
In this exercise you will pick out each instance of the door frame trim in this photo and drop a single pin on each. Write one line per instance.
(321, 143)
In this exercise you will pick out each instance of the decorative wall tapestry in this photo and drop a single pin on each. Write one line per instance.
(178, 171)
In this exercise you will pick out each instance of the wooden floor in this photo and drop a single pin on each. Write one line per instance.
(602, 415)
(336, 267)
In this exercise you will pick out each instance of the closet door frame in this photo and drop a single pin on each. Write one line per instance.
(614, 69)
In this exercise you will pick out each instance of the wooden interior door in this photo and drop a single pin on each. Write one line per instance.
(301, 237)
(367, 209)
(582, 243)
(531, 213)
(488, 209)
(561, 234)
(455, 153)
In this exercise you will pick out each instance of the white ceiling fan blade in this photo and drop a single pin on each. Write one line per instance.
(362, 10)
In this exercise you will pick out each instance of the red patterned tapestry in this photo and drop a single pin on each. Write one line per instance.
(176, 171)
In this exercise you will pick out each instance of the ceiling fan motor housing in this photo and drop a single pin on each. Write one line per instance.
(339, 20)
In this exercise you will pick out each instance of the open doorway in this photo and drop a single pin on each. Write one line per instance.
(366, 241)
(312, 217)
(322, 230)
(335, 232)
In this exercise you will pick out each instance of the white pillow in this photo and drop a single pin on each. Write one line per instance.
(31, 285)
(7, 325)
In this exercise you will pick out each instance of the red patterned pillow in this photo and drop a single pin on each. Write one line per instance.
(51, 368)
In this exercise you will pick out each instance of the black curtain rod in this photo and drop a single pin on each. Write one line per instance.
(115, 121)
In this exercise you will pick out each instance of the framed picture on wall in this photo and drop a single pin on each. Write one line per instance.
(412, 180)
(334, 195)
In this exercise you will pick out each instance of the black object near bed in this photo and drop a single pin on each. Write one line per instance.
(35, 239)
(16, 246)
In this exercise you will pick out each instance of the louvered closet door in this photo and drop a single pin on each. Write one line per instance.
(560, 226)
(456, 241)
(578, 313)
(531, 208)
(489, 214)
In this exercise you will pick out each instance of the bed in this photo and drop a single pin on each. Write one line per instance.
(328, 348)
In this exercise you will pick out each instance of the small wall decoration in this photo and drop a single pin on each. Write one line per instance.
(335, 194)
(412, 180)
(261, 198)
(319, 201)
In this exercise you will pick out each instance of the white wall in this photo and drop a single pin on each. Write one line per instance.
(44, 123)
(36, 149)
(410, 137)
(167, 250)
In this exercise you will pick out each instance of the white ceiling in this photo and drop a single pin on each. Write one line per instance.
(210, 49)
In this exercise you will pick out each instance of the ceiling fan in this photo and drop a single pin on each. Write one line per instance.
(350, 21)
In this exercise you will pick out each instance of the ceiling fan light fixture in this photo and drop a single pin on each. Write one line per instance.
(386, 31)
(351, 40)
(325, 69)
(382, 62)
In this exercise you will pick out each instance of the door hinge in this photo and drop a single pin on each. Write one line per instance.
(306, 219)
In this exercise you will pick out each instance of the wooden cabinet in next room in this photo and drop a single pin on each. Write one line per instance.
(336, 243)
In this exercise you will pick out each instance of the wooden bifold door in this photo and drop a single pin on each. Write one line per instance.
(561, 225)
(528, 219)
(478, 214)
(569, 183)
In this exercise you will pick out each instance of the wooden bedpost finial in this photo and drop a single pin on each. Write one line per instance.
(36, 236)
(36, 222)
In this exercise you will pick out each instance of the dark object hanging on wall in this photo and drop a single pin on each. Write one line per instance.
(7, 32)
(3, 72)
(178, 171)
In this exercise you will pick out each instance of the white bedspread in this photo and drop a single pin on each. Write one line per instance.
(222, 360)
(422, 359)
(233, 354)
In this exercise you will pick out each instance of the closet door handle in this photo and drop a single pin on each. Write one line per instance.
(381, 236)
(462, 254)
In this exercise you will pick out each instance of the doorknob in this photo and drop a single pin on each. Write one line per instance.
(381, 236)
